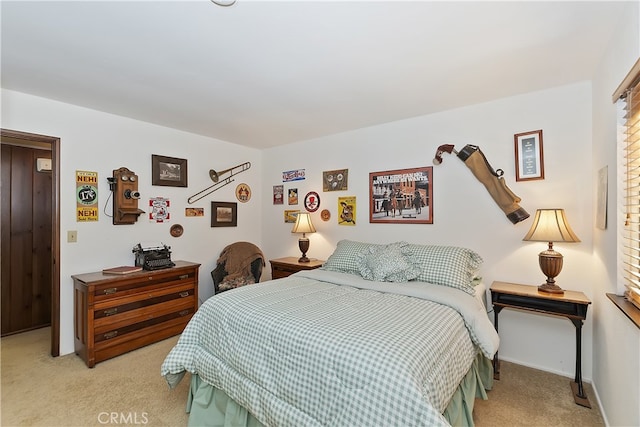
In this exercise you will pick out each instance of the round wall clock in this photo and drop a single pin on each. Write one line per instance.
(243, 193)
(312, 201)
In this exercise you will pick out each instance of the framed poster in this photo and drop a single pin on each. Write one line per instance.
(168, 171)
(292, 196)
(224, 214)
(529, 156)
(290, 215)
(278, 194)
(336, 180)
(402, 196)
(347, 210)
(601, 199)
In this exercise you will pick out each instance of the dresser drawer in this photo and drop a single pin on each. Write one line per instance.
(123, 327)
(141, 284)
(145, 313)
(116, 306)
(118, 345)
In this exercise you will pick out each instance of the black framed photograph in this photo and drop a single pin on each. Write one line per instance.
(402, 196)
(168, 171)
(529, 156)
(224, 214)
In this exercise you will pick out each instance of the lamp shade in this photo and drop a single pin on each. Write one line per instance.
(303, 224)
(550, 225)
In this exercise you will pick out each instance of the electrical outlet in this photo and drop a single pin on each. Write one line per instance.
(72, 236)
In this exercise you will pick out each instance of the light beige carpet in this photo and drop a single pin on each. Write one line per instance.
(39, 390)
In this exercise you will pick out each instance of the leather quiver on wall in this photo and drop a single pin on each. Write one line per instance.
(493, 182)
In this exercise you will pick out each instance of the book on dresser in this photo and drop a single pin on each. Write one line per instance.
(117, 313)
(123, 269)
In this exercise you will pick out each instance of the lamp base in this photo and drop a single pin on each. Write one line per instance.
(551, 265)
(303, 244)
(550, 289)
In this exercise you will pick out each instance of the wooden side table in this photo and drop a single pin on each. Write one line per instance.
(283, 267)
(572, 305)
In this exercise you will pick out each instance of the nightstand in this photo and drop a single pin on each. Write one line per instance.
(572, 305)
(283, 267)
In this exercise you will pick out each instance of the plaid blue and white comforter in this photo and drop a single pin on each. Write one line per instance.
(322, 348)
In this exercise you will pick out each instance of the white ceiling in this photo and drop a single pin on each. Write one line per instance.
(266, 73)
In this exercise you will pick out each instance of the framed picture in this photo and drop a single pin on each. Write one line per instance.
(278, 194)
(601, 198)
(403, 196)
(224, 214)
(168, 171)
(347, 210)
(336, 180)
(311, 201)
(293, 196)
(290, 215)
(529, 156)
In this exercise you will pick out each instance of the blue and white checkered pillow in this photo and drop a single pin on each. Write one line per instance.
(389, 263)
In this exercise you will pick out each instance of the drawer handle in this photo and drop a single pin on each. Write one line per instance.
(184, 276)
(111, 311)
(110, 291)
(184, 313)
(184, 294)
(110, 335)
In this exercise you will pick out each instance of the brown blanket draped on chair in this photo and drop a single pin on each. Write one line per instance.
(240, 264)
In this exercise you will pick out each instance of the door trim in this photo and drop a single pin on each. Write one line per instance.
(54, 142)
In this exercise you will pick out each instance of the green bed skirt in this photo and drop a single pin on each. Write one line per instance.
(208, 406)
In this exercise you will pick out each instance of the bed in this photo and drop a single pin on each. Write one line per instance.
(381, 335)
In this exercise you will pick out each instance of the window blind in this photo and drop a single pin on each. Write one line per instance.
(629, 98)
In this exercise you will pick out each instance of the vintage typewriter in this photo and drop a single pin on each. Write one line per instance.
(153, 257)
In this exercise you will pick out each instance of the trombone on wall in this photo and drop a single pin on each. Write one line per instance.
(218, 184)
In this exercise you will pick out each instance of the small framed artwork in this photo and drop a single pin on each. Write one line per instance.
(168, 171)
(193, 212)
(293, 196)
(402, 196)
(347, 210)
(278, 194)
(311, 201)
(529, 156)
(243, 193)
(602, 197)
(224, 214)
(335, 180)
(291, 215)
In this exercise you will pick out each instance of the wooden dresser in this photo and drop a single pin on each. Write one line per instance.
(115, 314)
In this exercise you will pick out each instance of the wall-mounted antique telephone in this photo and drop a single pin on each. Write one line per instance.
(124, 185)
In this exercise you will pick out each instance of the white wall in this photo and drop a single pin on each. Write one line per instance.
(616, 362)
(95, 141)
(464, 213)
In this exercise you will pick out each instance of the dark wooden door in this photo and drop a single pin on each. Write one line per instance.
(26, 234)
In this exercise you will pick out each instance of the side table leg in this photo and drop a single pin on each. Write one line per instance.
(579, 395)
(496, 360)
